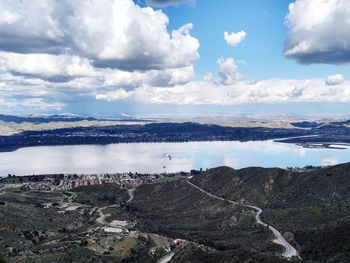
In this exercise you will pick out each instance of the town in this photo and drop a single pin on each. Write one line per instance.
(61, 182)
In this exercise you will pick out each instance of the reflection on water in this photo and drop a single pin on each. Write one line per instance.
(154, 157)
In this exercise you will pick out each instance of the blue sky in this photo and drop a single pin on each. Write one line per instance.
(262, 20)
(262, 51)
(170, 57)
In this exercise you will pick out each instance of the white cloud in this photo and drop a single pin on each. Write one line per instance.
(164, 78)
(241, 92)
(234, 39)
(208, 76)
(319, 31)
(119, 94)
(45, 65)
(114, 50)
(123, 35)
(112, 33)
(8, 17)
(228, 71)
(298, 89)
(74, 48)
(114, 87)
(335, 79)
(259, 92)
(63, 68)
(28, 26)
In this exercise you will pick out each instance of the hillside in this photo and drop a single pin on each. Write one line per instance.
(313, 207)
(310, 209)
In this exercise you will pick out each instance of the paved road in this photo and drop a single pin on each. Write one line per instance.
(289, 252)
(211, 195)
(167, 258)
(131, 194)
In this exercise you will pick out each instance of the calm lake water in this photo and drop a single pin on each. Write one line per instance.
(154, 157)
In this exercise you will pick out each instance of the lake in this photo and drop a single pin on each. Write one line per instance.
(163, 157)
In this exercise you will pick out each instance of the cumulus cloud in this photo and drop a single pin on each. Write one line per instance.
(115, 50)
(228, 71)
(208, 76)
(23, 30)
(123, 35)
(335, 79)
(241, 92)
(298, 89)
(45, 65)
(111, 33)
(65, 68)
(119, 94)
(74, 48)
(163, 78)
(234, 39)
(319, 31)
(25, 91)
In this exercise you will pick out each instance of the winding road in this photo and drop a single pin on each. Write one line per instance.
(167, 258)
(131, 194)
(101, 219)
(289, 252)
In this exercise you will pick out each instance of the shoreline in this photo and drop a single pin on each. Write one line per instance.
(314, 145)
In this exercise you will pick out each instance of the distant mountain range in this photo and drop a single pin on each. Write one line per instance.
(314, 124)
(22, 131)
(43, 118)
(36, 119)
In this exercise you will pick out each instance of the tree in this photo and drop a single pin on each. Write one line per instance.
(3, 260)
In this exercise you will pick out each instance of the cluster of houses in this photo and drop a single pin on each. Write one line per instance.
(70, 181)
(119, 179)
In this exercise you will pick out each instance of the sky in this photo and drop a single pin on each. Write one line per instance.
(175, 57)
